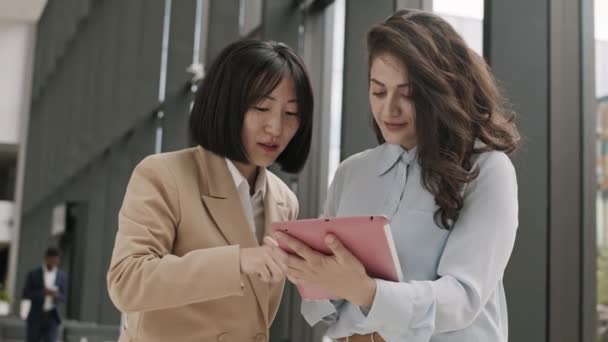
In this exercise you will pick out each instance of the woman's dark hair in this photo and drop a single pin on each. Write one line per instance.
(457, 103)
(242, 75)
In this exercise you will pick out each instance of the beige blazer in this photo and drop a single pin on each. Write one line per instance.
(175, 268)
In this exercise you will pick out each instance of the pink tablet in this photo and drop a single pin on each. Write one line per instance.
(369, 238)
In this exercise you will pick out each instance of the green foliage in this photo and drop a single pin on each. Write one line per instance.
(602, 275)
(3, 294)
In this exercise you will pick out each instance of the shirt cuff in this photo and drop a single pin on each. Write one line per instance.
(315, 310)
(398, 306)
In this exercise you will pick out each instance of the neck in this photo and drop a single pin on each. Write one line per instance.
(409, 146)
(249, 171)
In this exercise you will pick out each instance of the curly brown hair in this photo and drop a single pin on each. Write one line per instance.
(457, 100)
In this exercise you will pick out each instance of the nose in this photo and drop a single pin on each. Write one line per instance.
(392, 107)
(274, 124)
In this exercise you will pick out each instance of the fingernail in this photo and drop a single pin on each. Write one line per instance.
(273, 241)
(330, 239)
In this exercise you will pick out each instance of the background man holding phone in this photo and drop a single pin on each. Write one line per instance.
(46, 288)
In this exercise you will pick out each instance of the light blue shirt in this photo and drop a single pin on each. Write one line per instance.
(453, 289)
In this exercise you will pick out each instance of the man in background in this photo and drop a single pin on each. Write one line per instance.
(46, 288)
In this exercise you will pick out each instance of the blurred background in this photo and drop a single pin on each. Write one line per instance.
(90, 87)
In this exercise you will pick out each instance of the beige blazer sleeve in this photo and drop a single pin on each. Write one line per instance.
(144, 274)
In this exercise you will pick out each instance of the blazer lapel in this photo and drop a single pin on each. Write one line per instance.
(41, 277)
(58, 278)
(219, 195)
(274, 210)
(221, 199)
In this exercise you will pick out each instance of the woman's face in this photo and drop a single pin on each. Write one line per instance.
(390, 91)
(269, 125)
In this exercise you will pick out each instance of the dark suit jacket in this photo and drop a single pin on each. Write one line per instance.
(34, 291)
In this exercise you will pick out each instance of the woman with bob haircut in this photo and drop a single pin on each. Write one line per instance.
(442, 176)
(192, 261)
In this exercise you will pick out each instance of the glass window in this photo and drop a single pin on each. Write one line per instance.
(601, 88)
(466, 16)
(250, 18)
(337, 71)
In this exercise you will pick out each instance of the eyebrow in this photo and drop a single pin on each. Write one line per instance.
(273, 99)
(403, 85)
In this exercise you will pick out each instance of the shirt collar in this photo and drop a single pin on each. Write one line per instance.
(44, 269)
(237, 177)
(391, 154)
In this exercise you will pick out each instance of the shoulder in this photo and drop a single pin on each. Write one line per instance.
(362, 158)
(169, 160)
(34, 271)
(493, 161)
(163, 166)
(496, 173)
(363, 162)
